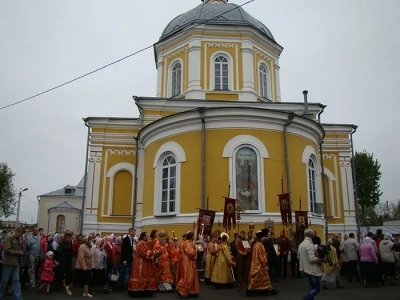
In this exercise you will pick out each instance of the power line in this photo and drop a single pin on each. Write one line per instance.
(117, 61)
(30, 200)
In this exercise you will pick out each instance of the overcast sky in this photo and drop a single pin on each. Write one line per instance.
(346, 53)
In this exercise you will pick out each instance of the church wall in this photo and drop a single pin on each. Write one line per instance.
(222, 96)
(259, 57)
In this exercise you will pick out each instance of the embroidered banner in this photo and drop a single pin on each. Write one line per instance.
(286, 211)
(229, 214)
(301, 218)
(206, 217)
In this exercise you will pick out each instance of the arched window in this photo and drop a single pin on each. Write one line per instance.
(60, 224)
(176, 82)
(221, 73)
(312, 183)
(168, 185)
(263, 76)
(247, 178)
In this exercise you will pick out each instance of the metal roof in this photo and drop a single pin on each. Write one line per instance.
(76, 192)
(64, 205)
(215, 14)
(392, 229)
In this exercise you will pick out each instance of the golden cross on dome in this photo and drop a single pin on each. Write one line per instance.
(215, 1)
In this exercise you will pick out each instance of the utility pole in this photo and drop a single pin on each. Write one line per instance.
(19, 205)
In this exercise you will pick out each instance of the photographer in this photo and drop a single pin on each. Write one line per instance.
(310, 264)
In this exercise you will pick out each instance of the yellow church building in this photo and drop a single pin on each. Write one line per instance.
(217, 127)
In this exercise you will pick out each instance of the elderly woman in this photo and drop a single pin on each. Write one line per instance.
(368, 261)
(387, 258)
(331, 267)
(99, 265)
(83, 267)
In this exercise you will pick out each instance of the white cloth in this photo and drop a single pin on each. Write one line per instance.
(308, 259)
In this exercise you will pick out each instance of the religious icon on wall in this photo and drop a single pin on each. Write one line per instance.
(247, 178)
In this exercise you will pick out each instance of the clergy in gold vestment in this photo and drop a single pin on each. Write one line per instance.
(210, 258)
(142, 282)
(259, 281)
(187, 281)
(222, 274)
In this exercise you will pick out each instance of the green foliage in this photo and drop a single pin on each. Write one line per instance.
(7, 192)
(368, 175)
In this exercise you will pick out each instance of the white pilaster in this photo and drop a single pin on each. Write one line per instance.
(277, 83)
(140, 184)
(248, 66)
(194, 67)
(160, 66)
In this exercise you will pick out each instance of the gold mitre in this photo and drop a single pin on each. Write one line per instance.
(225, 234)
(162, 234)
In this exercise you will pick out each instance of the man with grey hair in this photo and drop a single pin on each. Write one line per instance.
(34, 251)
(12, 253)
(310, 264)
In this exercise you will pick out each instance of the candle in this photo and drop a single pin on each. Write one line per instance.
(173, 234)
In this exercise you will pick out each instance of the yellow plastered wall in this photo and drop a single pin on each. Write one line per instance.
(207, 54)
(168, 61)
(270, 64)
(222, 97)
(122, 194)
(217, 169)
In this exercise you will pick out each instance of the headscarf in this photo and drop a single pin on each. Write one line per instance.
(54, 244)
(388, 236)
(367, 240)
(329, 242)
(99, 241)
(85, 240)
(49, 253)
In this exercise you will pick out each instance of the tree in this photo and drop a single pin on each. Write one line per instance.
(368, 175)
(7, 191)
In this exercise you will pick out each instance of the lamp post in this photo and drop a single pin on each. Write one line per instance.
(367, 221)
(19, 205)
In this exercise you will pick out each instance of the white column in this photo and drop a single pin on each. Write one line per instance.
(194, 88)
(140, 186)
(159, 76)
(277, 83)
(248, 66)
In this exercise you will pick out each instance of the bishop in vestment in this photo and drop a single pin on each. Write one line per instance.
(259, 281)
(187, 281)
(143, 280)
(222, 275)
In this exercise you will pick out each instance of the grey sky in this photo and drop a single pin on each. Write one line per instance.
(346, 53)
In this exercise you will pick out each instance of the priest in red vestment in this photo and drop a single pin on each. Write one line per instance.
(143, 280)
(259, 281)
(163, 266)
(187, 281)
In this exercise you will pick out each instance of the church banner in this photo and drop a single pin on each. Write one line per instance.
(206, 218)
(301, 218)
(229, 213)
(286, 211)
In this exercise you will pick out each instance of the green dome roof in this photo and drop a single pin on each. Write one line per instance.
(212, 13)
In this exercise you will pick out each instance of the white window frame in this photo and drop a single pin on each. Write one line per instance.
(309, 152)
(60, 219)
(331, 178)
(111, 174)
(169, 148)
(230, 151)
(312, 172)
(230, 71)
(170, 77)
(268, 79)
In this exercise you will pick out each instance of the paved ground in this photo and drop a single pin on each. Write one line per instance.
(290, 289)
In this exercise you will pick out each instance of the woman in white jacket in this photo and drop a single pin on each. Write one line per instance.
(388, 258)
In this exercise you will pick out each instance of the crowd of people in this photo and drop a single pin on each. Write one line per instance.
(155, 262)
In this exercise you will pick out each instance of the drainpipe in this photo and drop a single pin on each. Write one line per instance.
(201, 110)
(323, 187)
(85, 180)
(320, 113)
(306, 113)
(285, 141)
(353, 167)
(136, 182)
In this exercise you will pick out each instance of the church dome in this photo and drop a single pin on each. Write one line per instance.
(215, 12)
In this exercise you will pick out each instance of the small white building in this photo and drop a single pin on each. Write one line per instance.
(60, 210)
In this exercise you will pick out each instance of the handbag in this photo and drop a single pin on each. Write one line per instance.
(114, 275)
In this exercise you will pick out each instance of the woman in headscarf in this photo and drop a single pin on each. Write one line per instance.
(63, 254)
(368, 262)
(387, 258)
(99, 265)
(83, 267)
(331, 267)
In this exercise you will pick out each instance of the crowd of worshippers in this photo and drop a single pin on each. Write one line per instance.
(154, 262)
